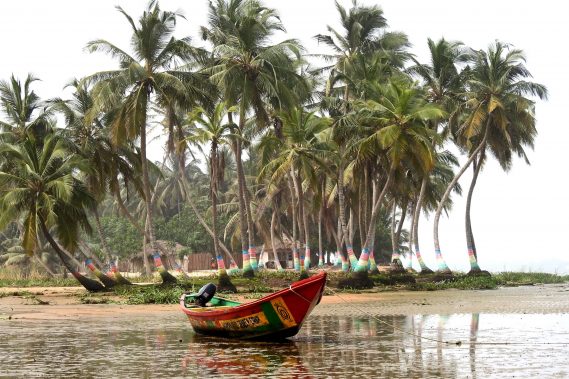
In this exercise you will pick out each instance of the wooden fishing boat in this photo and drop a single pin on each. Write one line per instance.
(276, 316)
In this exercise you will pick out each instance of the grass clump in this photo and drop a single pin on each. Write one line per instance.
(152, 294)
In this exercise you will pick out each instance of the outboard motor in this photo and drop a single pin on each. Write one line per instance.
(205, 294)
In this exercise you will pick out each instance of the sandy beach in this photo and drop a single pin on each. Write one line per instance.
(63, 303)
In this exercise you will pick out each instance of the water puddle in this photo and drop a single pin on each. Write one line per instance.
(327, 346)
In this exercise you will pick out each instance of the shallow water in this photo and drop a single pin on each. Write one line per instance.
(327, 346)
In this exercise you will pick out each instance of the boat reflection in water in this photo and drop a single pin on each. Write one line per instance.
(216, 357)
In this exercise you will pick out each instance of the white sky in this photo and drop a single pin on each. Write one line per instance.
(519, 218)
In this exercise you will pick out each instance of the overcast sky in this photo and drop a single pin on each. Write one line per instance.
(519, 218)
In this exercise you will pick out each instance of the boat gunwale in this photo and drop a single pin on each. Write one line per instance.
(218, 312)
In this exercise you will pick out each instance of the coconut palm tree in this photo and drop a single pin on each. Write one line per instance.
(90, 139)
(363, 35)
(39, 183)
(444, 84)
(213, 129)
(398, 129)
(300, 153)
(146, 77)
(26, 115)
(500, 117)
(248, 69)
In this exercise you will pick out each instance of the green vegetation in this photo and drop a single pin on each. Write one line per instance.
(266, 144)
(266, 282)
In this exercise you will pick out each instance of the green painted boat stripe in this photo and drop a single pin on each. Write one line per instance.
(272, 316)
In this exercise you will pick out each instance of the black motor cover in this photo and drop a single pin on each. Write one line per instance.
(205, 294)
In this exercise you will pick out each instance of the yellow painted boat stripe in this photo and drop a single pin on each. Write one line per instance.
(283, 312)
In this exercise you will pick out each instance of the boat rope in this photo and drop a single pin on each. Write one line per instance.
(299, 295)
(457, 342)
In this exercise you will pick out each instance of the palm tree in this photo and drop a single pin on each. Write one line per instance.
(143, 78)
(363, 35)
(444, 84)
(247, 68)
(90, 140)
(27, 116)
(301, 152)
(213, 130)
(39, 183)
(398, 125)
(500, 116)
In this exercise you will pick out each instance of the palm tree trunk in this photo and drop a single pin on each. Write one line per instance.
(166, 276)
(201, 220)
(442, 265)
(472, 254)
(273, 245)
(320, 217)
(247, 269)
(342, 209)
(89, 284)
(377, 207)
(400, 229)
(89, 258)
(394, 253)
(107, 251)
(295, 257)
(214, 183)
(416, 215)
(304, 217)
(250, 223)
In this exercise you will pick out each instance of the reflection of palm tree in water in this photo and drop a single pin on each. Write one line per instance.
(244, 359)
(473, 337)
(441, 327)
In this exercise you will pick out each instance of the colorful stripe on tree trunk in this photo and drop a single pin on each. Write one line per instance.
(473, 262)
(220, 265)
(158, 262)
(320, 259)
(345, 263)
(253, 257)
(420, 259)
(363, 261)
(372, 263)
(295, 259)
(352, 257)
(440, 261)
(307, 258)
(246, 261)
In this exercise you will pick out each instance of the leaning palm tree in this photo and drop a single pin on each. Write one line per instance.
(500, 116)
(142, 79)
(444, 83)
(39, 184)
(212, 129)
(90, 140)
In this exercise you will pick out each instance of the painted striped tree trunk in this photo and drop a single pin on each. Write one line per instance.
(278, 265)
(441, 263)
(89, 284)
(108, 282)
(470, 245)
(416, 214)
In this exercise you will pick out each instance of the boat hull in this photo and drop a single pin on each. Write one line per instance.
(276, 316)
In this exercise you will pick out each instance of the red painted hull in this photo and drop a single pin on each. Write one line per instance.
(276, 316)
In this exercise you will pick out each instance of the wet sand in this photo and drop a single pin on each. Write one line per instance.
(63, 303)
